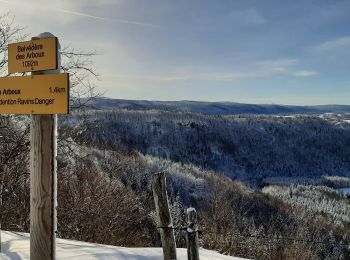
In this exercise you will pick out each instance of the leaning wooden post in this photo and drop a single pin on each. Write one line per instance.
(192, 235)
(43, 179)
(164, 217)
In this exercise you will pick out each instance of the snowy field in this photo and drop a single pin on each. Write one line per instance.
(15, 246)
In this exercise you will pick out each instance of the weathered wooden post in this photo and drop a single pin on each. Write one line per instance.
(42, 96)
(192, 235)
(1, 191)
(43, 179)
(164, 217)
(1, 202)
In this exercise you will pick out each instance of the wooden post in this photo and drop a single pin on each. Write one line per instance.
(43, 180)
(192, 235)
(1, 201)
(164, 217)
(1, 194)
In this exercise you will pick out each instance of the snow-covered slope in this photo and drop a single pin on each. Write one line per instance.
(16, 246)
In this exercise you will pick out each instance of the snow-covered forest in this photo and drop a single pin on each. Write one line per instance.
(249, 148)
(320, 201)
(106, 160)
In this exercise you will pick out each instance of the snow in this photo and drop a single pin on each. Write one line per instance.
(189, 230)
(16, 246)
(190, 210)
(345, 190)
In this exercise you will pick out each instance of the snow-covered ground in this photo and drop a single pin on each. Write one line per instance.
(15, 246)
(345, 190)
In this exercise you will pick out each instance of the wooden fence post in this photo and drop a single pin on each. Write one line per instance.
(43, 179)
(164, 217)
(192, 235)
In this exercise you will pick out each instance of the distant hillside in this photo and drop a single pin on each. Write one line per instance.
(247, 147)
(215, 108)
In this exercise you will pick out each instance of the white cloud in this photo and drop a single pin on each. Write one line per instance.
(305, 73)
(280, 66)
(81, 14)
(189, 76)
(100, 2)
(261, 69)
(106, 19)
(73, 10)
(284, 67)
(335, 44)
(248, 16)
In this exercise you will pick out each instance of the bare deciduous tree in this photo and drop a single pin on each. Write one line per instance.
(9, 32)
(82, 76)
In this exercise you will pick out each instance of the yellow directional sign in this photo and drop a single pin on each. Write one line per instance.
(32, 55)
(37, 94)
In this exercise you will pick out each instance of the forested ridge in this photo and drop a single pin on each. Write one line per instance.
(249, 148)
(104, 183)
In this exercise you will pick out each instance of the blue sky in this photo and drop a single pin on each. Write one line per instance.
(285, 52)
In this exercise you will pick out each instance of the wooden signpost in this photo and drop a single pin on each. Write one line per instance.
(36, 94)
(43, 96)
(34, 55)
